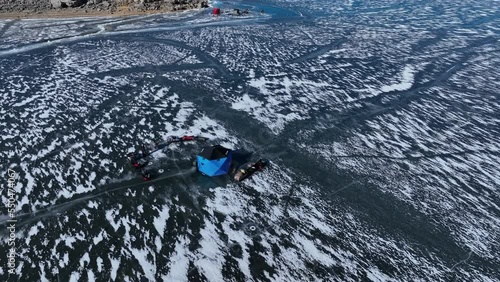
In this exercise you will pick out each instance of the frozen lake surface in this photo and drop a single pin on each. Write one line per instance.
(380, 119)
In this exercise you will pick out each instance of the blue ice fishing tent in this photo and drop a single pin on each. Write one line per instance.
(215, 160)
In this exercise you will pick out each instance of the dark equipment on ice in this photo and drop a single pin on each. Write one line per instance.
(147, 174)
(137, 159)
(238, 12)
(150, 173)
(248, 169)
(142, 158)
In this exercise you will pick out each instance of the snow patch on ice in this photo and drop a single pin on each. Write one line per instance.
(110, 216)
(245, 103)
(148, 267)
(211, 260)
(115, 263)
(407, 78)
(179, 262)
(374, 274)
(312, 251)
(161, 220)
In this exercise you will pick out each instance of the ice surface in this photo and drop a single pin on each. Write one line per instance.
(378, 117)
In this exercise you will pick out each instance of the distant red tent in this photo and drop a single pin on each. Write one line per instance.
(216, 11)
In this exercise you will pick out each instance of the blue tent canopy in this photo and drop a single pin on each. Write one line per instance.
(215, 160)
